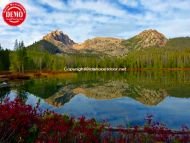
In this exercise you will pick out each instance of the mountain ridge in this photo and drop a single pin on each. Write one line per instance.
(109, 46)
(105, 45)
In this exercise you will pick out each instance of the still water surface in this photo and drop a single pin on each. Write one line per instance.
(118, 98)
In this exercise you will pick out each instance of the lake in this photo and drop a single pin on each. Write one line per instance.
(119, 98)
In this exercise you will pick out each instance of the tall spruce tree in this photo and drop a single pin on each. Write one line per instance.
(21, 56)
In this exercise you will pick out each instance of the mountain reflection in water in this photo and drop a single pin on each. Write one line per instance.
(107, 91)
(120, 97)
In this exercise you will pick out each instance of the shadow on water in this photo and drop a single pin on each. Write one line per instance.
(4, 92)
(108, 85)
(113, 95)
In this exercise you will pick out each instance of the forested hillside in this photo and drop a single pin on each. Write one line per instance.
(179, 43)
(43, 55)
(44, 46)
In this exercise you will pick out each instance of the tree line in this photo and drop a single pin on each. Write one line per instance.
(4, 59)
(23, 59)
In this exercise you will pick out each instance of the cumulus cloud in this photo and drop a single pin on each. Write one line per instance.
(99, 7)
(131, 3)
(57, 4)
(166, 5)
(82, 19)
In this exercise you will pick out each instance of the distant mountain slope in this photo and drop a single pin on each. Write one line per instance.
(178, 43)
(146, 39)
(58, 42)
(103, 45)
(44, 45)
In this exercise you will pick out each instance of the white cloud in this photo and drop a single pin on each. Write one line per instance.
(165, 5)
(100, 7)
(178, 28)
(58, 4)
(131, 3)
(86, 19)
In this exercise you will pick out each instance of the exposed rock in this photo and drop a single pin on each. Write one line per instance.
(59, 36)
(61, 40)
(147, 38)
(102, 45)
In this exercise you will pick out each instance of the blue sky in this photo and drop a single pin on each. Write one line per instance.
(85, 19)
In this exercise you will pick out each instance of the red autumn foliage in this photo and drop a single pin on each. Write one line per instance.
(23, 123)
(16, 120)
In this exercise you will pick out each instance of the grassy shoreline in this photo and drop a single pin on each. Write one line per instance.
(8, 75)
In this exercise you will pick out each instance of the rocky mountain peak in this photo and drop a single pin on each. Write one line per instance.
(60, 40)
(146, 39)
(151, 33)
(104, 45)
(149, 38)
(59, 36)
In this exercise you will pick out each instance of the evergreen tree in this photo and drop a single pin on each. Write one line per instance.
(4, 59)
(21, 56)
(16, 46)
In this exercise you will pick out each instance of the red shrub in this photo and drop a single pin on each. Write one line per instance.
(18, 120)
(23, 123)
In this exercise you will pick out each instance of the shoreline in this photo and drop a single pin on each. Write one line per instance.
(7, 76)
(87, 69)
(70, 72)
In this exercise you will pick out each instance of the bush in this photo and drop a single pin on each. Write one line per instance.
(23, 123)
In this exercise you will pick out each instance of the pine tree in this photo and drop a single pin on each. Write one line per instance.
(16, 44)
(21, 55)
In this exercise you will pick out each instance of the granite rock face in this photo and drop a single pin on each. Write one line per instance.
(61, 40)
(146, 39)
(104, 45)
